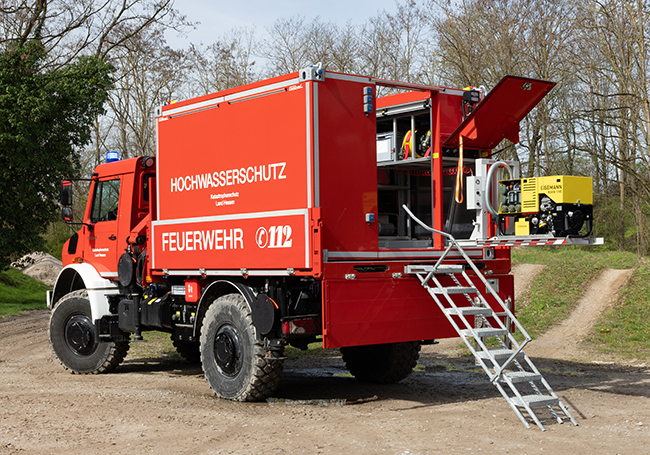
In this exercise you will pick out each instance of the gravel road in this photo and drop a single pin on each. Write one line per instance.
(160, 404)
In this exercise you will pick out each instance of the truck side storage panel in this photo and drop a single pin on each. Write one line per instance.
(235, 181)
(347, 166)
(377, 311)
(388, 310)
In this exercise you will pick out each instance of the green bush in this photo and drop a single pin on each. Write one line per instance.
(56, 235)
(619, 227)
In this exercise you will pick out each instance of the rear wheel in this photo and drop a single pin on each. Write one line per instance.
(235, 362)
(75, 342)
(382, 363)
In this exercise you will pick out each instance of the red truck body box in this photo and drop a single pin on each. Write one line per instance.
(384, 310)
(279, 178)
(245, 178)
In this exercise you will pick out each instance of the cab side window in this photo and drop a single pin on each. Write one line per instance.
(146, 178)
(105, 201)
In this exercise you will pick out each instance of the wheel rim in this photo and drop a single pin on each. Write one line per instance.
(80, 334)
(228, 350)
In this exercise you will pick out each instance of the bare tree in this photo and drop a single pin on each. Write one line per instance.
(288, 46)
(481, 42)
(149, 73)
(224, 64)
(394, 45)
(389, 45)
(616, 73)
(68, 28)
(345, 51)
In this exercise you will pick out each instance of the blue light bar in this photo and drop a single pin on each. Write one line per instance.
(112, 156)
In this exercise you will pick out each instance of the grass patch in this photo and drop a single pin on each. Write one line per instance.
(553, 254)
(625, 330)
(343, 375)
(156, 345)
(556, 290)
(19, 293)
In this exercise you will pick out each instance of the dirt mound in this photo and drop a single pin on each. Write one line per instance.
(40, 266)
(563, 341)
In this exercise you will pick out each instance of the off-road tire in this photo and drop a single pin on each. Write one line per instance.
(381, 363)
(188, 350)
(75, 342)
(234, 360)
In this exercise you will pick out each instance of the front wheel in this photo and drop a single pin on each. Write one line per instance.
(75, 342)
(382, 363)
(235, 362)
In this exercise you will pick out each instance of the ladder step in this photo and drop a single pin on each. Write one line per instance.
(443, 268)
(497, 354)
(454, 290)
(534, 400)
(480, 333)
(450, 269)
(521, 376)
(469, 311)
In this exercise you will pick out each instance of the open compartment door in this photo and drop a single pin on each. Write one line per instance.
(498, 115)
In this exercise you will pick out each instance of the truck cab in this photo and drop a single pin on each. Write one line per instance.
(117, 203)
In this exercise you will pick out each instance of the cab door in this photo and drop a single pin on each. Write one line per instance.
(103, 249)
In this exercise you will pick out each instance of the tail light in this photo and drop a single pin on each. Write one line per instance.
(301, 326)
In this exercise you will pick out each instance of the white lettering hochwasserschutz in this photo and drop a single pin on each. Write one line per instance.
(229, 177)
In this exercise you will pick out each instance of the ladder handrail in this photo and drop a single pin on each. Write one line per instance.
(498, 377)
(454, 243)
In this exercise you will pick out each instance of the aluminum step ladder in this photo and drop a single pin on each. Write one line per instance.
(504, 361)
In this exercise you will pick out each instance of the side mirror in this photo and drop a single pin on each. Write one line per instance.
(66, 214)
(66, 194)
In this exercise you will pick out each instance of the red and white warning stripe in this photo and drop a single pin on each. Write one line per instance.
(500, 241)
(529, 240)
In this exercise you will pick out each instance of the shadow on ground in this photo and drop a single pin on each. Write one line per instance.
(437, 379)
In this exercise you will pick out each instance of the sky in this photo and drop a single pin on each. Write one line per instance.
(217, 17)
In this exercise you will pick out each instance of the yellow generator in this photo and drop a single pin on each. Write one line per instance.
(559, 205)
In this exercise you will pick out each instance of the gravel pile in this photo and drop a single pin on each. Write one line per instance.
(40, 266)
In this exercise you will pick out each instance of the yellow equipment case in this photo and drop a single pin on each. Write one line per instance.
(558, 204)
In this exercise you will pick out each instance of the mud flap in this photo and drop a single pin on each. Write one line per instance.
(263, 313)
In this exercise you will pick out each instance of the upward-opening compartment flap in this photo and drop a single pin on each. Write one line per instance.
(498, 115)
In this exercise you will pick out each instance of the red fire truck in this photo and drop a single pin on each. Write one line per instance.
(305, 208)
